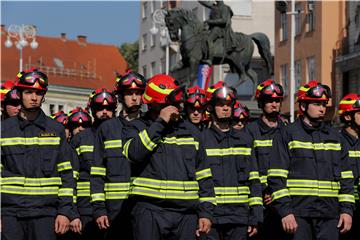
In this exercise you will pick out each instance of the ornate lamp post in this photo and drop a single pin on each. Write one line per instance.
(20, 35)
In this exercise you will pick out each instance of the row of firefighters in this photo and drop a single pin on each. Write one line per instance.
(191, 167)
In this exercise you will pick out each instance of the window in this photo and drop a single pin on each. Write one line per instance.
(144, 9)
(283, 27)
(284, 77)
(311, 69)
(152, 40)
(52, 109)
(297, 74)
(311, 16)
(298, 19)
(144, 72)
(153, 69)
(143, 42)
(61, 108)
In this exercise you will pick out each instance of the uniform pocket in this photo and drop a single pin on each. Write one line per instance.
(242, 169)
(189, 162)
(48, 161)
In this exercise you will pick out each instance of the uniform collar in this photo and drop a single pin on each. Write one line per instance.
(220, 135)
(264, 128)
(39, 121)
(351, 139)
(324, 127)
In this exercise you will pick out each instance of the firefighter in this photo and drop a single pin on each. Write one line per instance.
(36, 173)
(234, 168)
(309, 178)
(241, 115)
(62, 118)
(78, 120)
(269, 96)
(195, 103)
(172, 187)
(102, 104)
(129, 89)
(10, 100)
(349, 113)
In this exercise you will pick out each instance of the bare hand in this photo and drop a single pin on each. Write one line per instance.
(289, 224)
(76, 226)
(62, 224)
(103, 222)
(267, 199)
(252, 231)
(345, 221)
(169, 113)
(204, 226)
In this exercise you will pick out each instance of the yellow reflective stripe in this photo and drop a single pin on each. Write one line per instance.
(118, 186)
(160, 90)
(29, 141)
(308, 183)
(97, 197)
(262, 143)
(211, 152)
(117, 143)
(347, 174)
(64, 166)
(356, 194)
(20, 190)
(83, 193)
(315, 146)
(273, 172)
(208, 199)
(232, 199)
(354, 154)
(240, 190)
(165, 184)
(279, 194)
(82, 185)
(203, 174)
(74, 199)
(84, 148)
(98, 171)
(76, 174)
(346, 198)
(164, 193)
(126, 148)
(30, 181)
(116, 195)
(255, 201)
(263, 179)
(145, 139)
(182, 141)
(66, 192)
(254, 175)
(4, 91)
(147, 97)
(313, 192)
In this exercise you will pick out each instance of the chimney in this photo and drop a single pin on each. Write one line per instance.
(63, 36)
(81, 39)
(3, 30)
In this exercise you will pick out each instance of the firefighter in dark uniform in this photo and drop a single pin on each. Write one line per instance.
(240, 116)
(195, 104)
(62, 118)
(78, 120)
(10, 100)
(309, 178)
(129, 89)
(102, 103)
(269, 96)
(172, 187)
(349, 113)
(110, 171)
(36, 173)
(233, 165)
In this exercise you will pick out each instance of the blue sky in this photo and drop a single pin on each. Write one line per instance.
(107, 22)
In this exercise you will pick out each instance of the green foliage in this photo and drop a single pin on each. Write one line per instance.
(130, 52)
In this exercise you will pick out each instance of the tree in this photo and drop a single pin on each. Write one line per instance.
(130, 52)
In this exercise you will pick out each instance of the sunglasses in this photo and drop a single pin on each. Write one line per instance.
(273, 88)
(31, 78)
(100, 98)
(176, 96)
(319, 91)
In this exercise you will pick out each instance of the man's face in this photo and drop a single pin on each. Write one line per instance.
(13, 110)
(357, 118)
(272, 106)
(132, 98)
(31, 98)
(223, 109)
(317, 110)
(195, 115)
(103, 114)
(77, 130)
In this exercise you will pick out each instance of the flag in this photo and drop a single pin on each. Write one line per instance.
(204, 74)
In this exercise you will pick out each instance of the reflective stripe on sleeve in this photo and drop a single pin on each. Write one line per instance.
(278, 173)
(203, 174)
(64, 166)
(116, 143)
(280, 193)
(98, 171)
(146, 141)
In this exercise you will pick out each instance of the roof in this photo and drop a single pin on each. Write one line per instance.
(73, 63)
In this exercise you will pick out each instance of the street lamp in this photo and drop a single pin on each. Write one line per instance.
(21, 34)
(158, 17)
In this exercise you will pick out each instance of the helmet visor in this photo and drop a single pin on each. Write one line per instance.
(80, 117)
(104, 96)
(357, 104)
(225, 93)
(192, 98)
(128, 81)
(319, 91)
(61, 118)
(31, 78)
(273, 88)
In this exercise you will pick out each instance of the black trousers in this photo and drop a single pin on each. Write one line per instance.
(316, 228)
(34, 228)
(271, 228)
(153, 223)
(228, 232)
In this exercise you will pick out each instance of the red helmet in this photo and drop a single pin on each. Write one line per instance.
(313, 91)
(60, 117)
(241, 111)
(163, 89)
(130, 80)
(102, 98)
(33, 79)
(350, 103)
(79, 117)
(269, 89)
(196, 97)
(9, 94)
(5, 88)
(221, 91)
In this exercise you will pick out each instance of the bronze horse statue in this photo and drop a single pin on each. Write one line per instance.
(193, 46)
